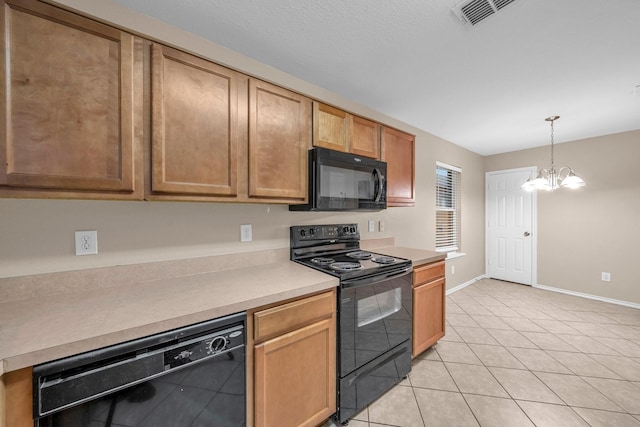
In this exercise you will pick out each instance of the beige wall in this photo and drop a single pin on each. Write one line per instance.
(592, 230)
(38, 235)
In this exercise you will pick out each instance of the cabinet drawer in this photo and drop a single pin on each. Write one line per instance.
(284, 318)
(428, 273)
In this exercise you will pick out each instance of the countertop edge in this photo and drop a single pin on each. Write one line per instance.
(314, 282)
(290, 281)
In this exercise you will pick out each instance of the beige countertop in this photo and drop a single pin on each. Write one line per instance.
(417, 256)
(43, 328)
(62, 314)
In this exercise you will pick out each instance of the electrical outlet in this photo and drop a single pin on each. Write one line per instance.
(372, 226)
(87, 242)
(246, 234)
(606, 277)
(381, 226)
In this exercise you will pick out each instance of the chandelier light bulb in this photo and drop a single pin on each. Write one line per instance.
(572, 181)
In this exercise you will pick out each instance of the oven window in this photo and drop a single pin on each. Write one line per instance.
(378, 306)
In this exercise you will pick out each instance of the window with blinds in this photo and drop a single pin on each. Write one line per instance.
(447, 207)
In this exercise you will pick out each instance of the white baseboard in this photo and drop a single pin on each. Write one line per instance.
(588, 296)
(465, 284)
(552, 289)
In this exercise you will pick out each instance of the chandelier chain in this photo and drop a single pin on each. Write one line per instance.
(552, 162)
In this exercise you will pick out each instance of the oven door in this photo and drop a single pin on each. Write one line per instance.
(375, 339)
(375, 316)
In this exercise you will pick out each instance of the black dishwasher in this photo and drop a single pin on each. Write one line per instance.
(191, 376)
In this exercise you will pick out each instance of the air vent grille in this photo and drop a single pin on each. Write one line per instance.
(474, 11)
(501, 3)
(477, 10)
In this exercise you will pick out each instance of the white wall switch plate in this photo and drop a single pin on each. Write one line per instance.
(246, 233)
(372, 226)
(87, 242)
(381, 226)
(606, 277)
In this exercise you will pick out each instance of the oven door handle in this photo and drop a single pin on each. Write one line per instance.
(363, 281)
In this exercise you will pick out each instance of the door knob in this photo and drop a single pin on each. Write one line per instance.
(527, 234)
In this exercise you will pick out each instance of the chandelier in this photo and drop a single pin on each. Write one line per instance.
(550, 179)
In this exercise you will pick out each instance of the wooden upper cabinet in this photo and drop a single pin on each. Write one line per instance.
(331, 128)
(338, 130)
(365, 137)
(279, 139)
(68, 103)
(398, 150)
(195, 130)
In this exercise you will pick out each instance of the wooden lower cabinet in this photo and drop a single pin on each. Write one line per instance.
(16, 399)
(295, 362)
(428, 305)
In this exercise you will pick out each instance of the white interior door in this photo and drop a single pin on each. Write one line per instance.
(511, 230)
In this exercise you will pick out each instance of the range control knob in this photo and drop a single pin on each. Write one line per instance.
(218, 344)
(345, 230)
(303, 233)
(312, 231)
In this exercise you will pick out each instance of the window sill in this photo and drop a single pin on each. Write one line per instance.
(453, 255)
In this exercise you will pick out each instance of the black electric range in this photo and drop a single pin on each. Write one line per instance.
(374, 312)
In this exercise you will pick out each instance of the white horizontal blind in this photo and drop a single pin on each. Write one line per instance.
(447, 207)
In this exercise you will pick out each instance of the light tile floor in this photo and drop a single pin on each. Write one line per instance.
(518, 356)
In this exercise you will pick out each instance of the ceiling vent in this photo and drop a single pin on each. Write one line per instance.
(474, 11)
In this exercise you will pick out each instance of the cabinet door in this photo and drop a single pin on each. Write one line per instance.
(398, 151)
(16, 391)
(331, 128)
(428, 315)
(365, 137)
(279, 139)
(194, 125)
(67, 119)
(295, 377)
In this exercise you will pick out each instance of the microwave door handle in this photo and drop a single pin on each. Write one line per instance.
(379, 184)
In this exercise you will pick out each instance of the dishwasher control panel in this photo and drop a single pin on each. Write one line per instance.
(202, 347)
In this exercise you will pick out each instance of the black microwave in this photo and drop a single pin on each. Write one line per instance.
(344, 182)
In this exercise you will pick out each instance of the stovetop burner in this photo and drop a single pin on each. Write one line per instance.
(383, 259)
(323, 261)
(335, 249)
(345, 266)
(359, 255)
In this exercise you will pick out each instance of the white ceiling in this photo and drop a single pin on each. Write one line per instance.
(486, 87)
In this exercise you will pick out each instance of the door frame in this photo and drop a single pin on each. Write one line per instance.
(533, 170)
